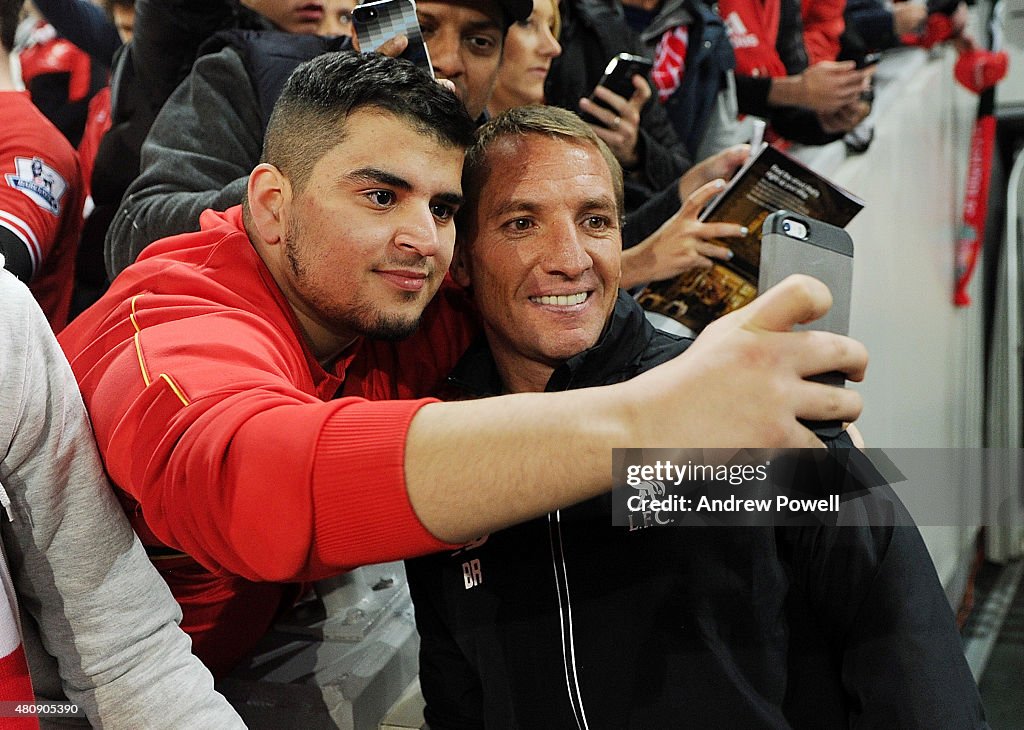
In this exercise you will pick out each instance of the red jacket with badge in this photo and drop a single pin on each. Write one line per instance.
(231, 444)
(40, 202)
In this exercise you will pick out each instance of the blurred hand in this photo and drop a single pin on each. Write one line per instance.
(828, 86)
(846, 118)
(681, 244)
(619, 126)
(908, 17)
(393, 47)
(722, 165)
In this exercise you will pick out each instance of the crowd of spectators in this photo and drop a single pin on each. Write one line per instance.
(236, 218)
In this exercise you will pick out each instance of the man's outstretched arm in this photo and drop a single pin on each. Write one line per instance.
(477, 466)
(236, 463)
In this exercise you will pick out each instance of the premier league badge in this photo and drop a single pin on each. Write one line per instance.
(38, 181)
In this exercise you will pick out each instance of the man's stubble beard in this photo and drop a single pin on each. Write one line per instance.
(363, 318)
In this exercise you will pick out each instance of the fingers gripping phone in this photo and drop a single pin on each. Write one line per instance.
(618, 78)
(792, 244)
(380, 21)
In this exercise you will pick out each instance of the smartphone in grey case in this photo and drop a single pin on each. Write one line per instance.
(797, 244)
(380, 21)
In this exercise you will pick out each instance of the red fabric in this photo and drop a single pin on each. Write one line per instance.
(823, 24)
(96, 126)
(16, 686)
(938, 28)
(261, 477)
(58, 55)
(670, 62)
(44, 211)
(977, 69)
(753, 28)
(972, 234)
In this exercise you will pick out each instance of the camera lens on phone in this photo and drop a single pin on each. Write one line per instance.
(794, 229)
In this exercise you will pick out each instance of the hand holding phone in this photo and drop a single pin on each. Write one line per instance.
(796, 244)
(380, 21)
(869, 59)
(613, 108)
(618, 78)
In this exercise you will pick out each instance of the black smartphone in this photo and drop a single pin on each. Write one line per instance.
(797, 244)
(382, 20)
(618, 78)
(868, 59)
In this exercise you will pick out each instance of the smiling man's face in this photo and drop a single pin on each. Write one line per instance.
(544, 262)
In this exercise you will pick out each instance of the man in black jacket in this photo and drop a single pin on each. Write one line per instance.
(569, 622)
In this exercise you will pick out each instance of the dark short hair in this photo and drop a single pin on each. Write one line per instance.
(548, 121)
(309, 116)
(10, 12)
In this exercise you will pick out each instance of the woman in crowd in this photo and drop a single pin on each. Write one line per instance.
(530, 47)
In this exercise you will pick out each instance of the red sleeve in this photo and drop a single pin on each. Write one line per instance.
(823, 24)
(210, 423)
(35, 190)
(41, 200)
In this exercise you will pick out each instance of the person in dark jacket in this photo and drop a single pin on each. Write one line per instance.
(592, 33)
(693, 70)
(167, 37)
(568, 622)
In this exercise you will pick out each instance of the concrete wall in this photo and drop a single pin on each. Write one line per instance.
(925, 382)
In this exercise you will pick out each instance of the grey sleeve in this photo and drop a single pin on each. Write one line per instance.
(203, 145)
(723, 128)
(84, 582)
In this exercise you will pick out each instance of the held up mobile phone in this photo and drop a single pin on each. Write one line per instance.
(868, 59)
(618, 78)
(792, 244)
(382, 20)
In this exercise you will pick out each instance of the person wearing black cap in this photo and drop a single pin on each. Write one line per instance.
(209, 134)
(465, 41)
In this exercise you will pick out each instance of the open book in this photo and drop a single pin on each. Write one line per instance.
(770, 180)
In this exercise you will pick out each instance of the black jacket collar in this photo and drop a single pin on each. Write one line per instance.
(614, 358)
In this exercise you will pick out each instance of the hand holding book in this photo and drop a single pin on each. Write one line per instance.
(770, 180)
(683, 243)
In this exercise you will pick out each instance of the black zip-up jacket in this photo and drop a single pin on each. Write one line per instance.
(568, 622)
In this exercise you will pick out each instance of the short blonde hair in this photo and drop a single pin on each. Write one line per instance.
(547, 121)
